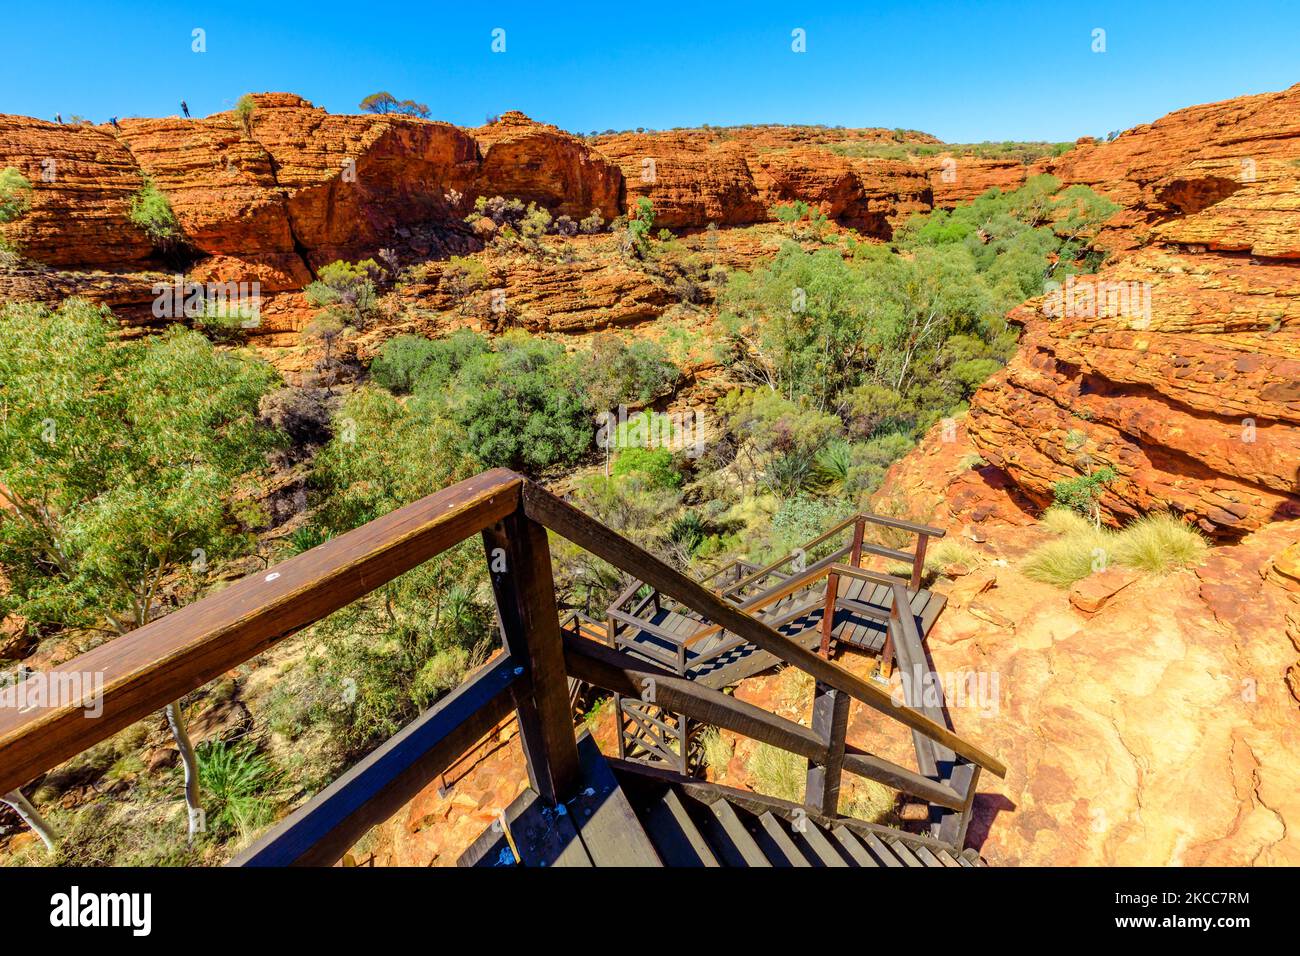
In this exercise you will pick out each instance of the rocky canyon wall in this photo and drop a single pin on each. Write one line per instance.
(1178, 365)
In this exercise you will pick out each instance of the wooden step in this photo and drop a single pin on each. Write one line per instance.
(815, 846)
(881, 852)
(603, 816)
(852, 846)
(776, 844)
(727, 836)
(900, 850)
(674, 834)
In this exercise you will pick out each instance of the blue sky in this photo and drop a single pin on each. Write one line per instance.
(965, 71)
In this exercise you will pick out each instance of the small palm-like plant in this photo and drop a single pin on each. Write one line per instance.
(237, 779)
(831, 465)
(687, 530)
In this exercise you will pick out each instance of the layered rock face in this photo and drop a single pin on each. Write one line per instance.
(83, 178)
(1178, 365)
(726, 177)
(298, 187)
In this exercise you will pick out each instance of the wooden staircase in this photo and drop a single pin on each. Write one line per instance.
(580, 806)
(629, 815)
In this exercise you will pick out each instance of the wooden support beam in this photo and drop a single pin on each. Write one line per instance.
(519, 563)
(918, 563)
(828, 613)
(586, 532)
(900, 778)
(830, 722)
(322, 830)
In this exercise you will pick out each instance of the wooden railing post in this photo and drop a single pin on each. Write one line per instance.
(859, 531)
(918, 563)
(828, 614)
(887, 652)
(519, 562)
(830, 722)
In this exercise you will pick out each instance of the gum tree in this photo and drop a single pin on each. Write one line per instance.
(125, 470)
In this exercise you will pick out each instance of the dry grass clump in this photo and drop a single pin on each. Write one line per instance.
(777, 772)
(1159, 543)
(1071, 557)
(1156, 544)
(950, 551)
(716, 750)
(868, 800)
(794, 691)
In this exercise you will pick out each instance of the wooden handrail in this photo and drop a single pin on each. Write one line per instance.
(586, 532)
(922, 530)
(615, 672)
(776, 594)
(765, 571)
(154, 665)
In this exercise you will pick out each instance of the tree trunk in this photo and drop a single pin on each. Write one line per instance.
(32, 817)
(177, 724)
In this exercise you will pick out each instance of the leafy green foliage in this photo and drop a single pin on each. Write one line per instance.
(655, 464)
(152, 212)
(384, 102)
(374, 664)
(15, 194)
(1083, 494)
(237, 781)
(346, 291)
(804, 221)
(121, 463)
(635, 240)
(245, 107)
(523, 405)
(626, 373)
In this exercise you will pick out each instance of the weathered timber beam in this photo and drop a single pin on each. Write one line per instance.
(321, 831)
(584, 531)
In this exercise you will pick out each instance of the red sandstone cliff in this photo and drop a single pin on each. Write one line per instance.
(1183, 372)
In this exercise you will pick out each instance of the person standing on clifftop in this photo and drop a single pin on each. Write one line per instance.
(59, 118)
(185, 108)
(113, 120)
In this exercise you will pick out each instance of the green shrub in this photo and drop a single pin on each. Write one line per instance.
(346, 291)
(523, 405)
(1083, 494)
(623, 373)
(655, 464)
(15, 194)
(400, 362)
(688, 530)
(245, 107)
(152, 212)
